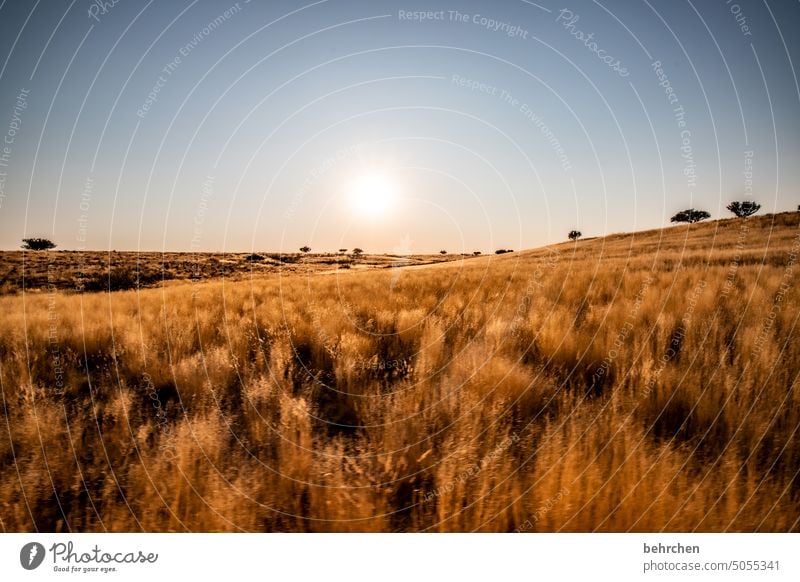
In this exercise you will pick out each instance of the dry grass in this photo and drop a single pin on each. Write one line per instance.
(631, 383)
(76, 271)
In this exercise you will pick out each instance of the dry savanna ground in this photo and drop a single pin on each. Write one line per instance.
(639, 382)
(79, 271)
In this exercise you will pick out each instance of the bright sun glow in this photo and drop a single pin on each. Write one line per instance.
(372, 194)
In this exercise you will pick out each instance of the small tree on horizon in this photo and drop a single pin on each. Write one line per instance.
(305, 249)
(357, 252)
(37, 244)
(476, 253)
(690, 215)
(744, 209)
(575, 234)
(342, 251)
(442, 252)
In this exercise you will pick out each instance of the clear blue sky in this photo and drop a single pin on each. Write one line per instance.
(266, 113)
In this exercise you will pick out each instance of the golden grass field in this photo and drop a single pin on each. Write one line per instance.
(637, 382)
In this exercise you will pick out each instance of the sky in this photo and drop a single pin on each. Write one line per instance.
(398, 127)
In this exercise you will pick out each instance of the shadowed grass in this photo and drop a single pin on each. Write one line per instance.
(638, 382)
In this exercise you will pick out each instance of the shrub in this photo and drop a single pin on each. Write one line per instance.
(744, 209)
(283, 258)
(690, 215)
(575, 234)
(37, 244)
(120, 279)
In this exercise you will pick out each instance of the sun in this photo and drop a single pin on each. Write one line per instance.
(371, 195)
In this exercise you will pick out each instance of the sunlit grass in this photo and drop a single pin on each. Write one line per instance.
(643, 382)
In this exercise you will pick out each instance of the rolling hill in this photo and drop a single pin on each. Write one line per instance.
(634, 382)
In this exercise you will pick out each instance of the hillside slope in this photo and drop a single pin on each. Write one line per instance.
(640, 382)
